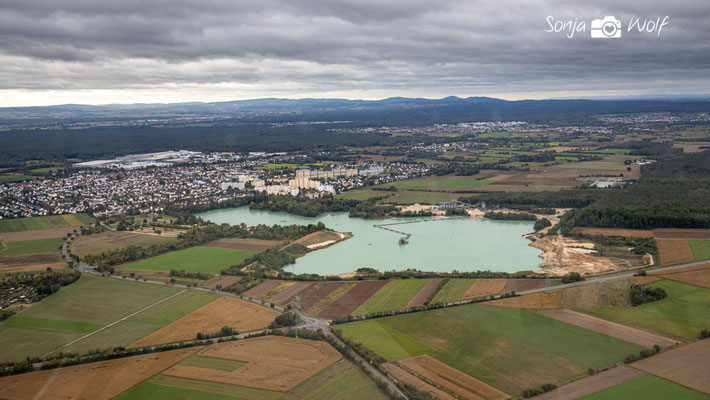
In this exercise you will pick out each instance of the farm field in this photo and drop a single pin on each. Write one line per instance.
(700, 249)
(242, 316)
(686, 365)
(222, 281)
(674, 252)
(100, 380)
(409, 379)
(30, 247)
(243, 244)
(683, 314)
(46, 222)
(210, 260)
(352, 299)
(647, 387)
(485, 287)
(592, 384)
(112, 240)
(31, 262)
(426, 293)
(513, 343)
(698, 275)
(341, 380)
(454, 290)
(394, 296)
(34, 235)
(90, 304)
(608, 294)
(672, 233)
(272, 362)
(635, 233)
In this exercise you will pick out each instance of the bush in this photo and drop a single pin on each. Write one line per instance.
(572, 277)
(541, 224)
(704, 334)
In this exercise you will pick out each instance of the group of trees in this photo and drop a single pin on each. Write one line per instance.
(642, 294)
(510, 216)
(43, 283)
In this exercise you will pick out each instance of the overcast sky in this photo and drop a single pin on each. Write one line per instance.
(97, 52)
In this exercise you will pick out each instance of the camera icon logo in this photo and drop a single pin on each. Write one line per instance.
(607, 28)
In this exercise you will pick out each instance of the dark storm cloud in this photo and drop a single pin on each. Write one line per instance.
(473, 47)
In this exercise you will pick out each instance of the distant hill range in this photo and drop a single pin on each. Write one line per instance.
(395, 110)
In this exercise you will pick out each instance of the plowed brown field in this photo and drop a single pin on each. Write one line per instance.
(612, 329)
(272, 362)
(634, 233)
(352, 299)
(285, 296)
(409, 379)
(262, 288)
(698, 275)
(687, 365)
(520, 285)
(242, 316)
(94, 381)
(222, 280)
(674, 252)
(424, 294)
(318, 292)
(670, 233)
(485, 287)
(243, 244)
(464, 386)
(34, 235)
(592, 384)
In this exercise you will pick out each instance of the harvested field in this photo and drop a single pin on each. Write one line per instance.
(31, 262)
(520, 285)
(316, 293)
(485, 287)
(222, 280)
(592, 384)
(352, 299)
(94, 381)
(285, 296)
(242, 316)
(633, 233)
(452, 291)
(674, 252)
(687, 365)
(276, 290)
(243, 244)
(671, 233)
(609, 328)
(464, 386)
(424, 294)
(409, 379)
(272, 362)
(31, 267)
(608, 294)
(34, 235)
(262, 288)
(698, 275)
(112, 240)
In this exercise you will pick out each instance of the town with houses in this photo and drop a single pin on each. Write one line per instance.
(149, 182)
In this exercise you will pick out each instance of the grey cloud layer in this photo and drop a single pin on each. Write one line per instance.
(482, 46)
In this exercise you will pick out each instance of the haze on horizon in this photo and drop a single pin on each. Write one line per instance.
(91, 52)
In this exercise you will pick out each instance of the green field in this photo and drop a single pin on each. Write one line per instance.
(92, 303)
(700, 249)
(510, 349)
(465, 183)
(210, 260)
(683, 314)
(342, 380)
(394, 296)
(215, 364)
(30, 247)
(452, 291)
(47, 222)
(647, 387)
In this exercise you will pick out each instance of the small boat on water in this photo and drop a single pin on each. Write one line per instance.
(403, 241)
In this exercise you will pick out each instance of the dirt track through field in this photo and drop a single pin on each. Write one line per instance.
(612, 329)
(242, 316)
(424, 294)
(464, 386)
(687, 365)
(34, 235)
(352, 299)
(592, 384)
(674, 252)
(95, 381)
(409, 379)
(272, 362)
(485, 287)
